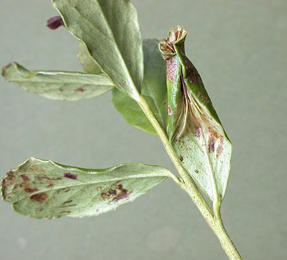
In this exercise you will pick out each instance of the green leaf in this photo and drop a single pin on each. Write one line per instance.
(110, 30)
(57, 85)
(131, 111)
(45, 189)
(195, 131)
(153, 90)
(89, 64)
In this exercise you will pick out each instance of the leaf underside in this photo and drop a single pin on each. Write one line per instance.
(45, 189)
(111, 33)
(58, 85)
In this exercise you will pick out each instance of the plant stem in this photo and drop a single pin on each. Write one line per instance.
(213, 220)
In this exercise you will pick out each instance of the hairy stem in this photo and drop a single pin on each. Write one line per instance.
(213, 220)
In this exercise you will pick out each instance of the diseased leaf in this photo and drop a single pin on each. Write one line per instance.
(89, 64)
(153, 90)
(194, 128)
(57, 85)
(110, 30)
(45, 189)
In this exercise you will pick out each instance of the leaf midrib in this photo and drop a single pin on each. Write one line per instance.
(93, 183)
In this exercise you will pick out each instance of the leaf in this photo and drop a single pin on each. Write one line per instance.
(196, 132)
(153, 90)
(131, 111)
(57, 85)
(45, 189)
(110, 30)
(89, 64)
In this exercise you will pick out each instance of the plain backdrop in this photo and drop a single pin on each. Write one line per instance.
(240, 50)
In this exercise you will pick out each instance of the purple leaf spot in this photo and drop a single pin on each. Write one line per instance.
(70, 175)
(55, 22)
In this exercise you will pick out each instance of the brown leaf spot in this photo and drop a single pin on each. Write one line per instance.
(80, 90)
(25, 177)
(169, 110)
(116, 194)
(31, 190)
(124, 194)
(196, 171)
(104, 195)
(211, 143)
(197, 132)
(204, 98)
(181, 158)
(70, 175)
(220, 147)
(40, 198)
(212, 132)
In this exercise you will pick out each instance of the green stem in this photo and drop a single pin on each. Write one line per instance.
(214, 221)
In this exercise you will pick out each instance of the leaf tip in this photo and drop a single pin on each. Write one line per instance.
(175, 36)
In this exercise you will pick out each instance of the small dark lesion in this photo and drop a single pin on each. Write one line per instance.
(211, 144)
(68, 201)
(40, 198)
(220, 147)
(25, 178)
(30, 190)
(115, 194)
(80, 90)
(70, 175)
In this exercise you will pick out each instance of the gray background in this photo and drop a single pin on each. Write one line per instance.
(239, 47)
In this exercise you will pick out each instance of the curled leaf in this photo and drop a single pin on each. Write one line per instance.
(193, 125)
(45, 189)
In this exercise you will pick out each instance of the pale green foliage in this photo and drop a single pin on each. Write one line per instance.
(113, 55)
(87, 61)
(196, 133)
(114, 24)
(44, 189)
(57, 84)
(168, 100)
(153, 90)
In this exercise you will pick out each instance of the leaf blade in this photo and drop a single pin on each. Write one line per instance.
(197, 136)
(153, 90)
(57, 85)
(44, 189)
(89, 64)
(119, 54)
